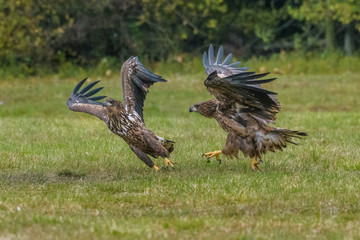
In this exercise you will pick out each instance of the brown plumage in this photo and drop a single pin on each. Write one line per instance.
(126, 119)
(243, 109)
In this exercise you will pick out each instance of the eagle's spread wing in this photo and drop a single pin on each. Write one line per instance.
(237, 90)
(242, 91)
(83, 102)
(136, 80)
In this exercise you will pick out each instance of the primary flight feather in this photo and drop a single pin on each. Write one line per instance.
(126, 119)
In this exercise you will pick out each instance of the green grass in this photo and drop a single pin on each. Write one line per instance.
(64, 175)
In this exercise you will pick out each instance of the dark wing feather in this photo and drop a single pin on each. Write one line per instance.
(237, 90)
(211, 64)
(83, 102)
(242, 93)
(136, 80)
(143, 157)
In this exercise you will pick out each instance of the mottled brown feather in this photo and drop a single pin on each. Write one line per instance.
(136, 81)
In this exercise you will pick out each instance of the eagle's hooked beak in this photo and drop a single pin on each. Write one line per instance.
(192, 109)
(106, 103)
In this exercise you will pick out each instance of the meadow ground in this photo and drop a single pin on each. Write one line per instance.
(64, 175)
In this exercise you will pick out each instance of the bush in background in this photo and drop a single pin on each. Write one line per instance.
(38, 36)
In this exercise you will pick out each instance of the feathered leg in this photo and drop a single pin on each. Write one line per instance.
(255, 163)
(212, 154)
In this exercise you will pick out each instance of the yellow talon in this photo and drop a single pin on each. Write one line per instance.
(168, 162)
(213, 154)
(254, 164)
(156, 168)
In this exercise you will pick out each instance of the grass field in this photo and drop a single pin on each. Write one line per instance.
(64, 175)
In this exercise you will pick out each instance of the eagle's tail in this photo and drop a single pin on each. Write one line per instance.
(276, 139)
(288, 135)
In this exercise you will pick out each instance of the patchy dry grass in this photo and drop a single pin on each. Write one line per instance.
(63, 175)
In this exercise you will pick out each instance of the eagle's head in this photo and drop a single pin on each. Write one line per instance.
(207, 109)
(109, 102)
(112, 105)
(194, 108)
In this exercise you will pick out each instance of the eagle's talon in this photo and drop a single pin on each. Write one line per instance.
(156, 168)
(256, 169)
(166, 168)
(213, 154)
(207, 158)
(255, 163)
(169, 163)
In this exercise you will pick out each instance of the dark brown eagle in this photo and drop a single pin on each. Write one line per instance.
(126, 119)
(243, 109)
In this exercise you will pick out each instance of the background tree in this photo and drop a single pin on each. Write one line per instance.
(48, 33)
(331, 17)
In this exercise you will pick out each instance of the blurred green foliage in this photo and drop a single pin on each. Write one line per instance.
(47, 34)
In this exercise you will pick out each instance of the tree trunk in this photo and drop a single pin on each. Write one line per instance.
(329, 34)
(349, 40)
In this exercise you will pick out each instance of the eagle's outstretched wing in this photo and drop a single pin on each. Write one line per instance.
(83, 102)
(241, 93)
(237, 90)
(136, 80)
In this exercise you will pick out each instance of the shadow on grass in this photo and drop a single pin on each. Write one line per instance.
(126, 173)
(70, 174)
(195, 171)
(41, 178)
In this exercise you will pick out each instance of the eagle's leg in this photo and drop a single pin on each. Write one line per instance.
(255, 163)
(156, 168)
(169, 163)
(212, 154)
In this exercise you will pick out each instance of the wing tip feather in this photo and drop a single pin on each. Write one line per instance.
(228, 68)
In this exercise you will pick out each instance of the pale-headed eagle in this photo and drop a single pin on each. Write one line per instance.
(126, 119)
(243, 109)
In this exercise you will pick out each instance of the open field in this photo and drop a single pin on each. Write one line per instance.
(65, 175)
